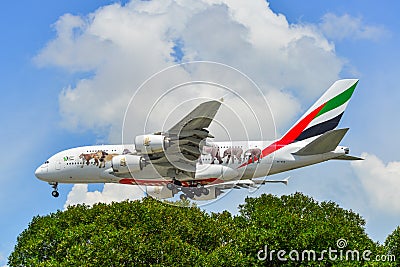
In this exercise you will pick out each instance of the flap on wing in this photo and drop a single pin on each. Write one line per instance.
(325, 143)
(348, 157)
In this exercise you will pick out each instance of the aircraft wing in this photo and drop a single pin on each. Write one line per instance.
(186, 137)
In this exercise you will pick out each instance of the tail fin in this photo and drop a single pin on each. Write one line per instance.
(325, 114)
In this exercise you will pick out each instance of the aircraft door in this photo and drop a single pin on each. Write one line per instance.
(58, 165)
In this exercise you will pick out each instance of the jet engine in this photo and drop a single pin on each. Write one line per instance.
(127, 163)
(150, 143)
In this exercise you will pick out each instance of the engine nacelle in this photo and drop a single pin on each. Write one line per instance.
(127, 163)
(150, 143)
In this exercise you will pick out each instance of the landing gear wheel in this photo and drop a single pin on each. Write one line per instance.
(175, 191)
(190, 194)
(205, 191)
(170, 186)
(55, 191)
(197, 192)
(183, 197)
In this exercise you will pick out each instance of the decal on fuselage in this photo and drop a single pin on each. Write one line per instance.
(231, 153)
(99, 158)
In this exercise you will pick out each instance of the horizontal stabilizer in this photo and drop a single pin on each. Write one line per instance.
(348, 157)
(323, 144)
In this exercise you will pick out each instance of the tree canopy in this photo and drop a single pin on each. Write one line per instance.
(392, 244)
(149, 232)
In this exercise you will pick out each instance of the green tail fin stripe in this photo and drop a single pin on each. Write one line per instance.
(338, 100)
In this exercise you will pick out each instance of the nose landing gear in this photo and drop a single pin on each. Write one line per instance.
(55, 191)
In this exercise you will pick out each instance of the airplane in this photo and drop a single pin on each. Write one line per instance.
(183, 159)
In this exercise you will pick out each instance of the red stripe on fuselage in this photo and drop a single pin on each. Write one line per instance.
(290, 136)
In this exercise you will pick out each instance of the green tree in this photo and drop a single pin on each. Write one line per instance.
(145, 232)
(298, 222)
(392, 244)
(150, 232)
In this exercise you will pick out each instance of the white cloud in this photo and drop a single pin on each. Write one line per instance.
(123, 45)
(346, 26)
(380, 181)
(111, 192)
(61, 51)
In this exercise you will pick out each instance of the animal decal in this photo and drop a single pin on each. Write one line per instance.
(105, 157)
(100, 158)
(233, 152)
(87, 157)
(213, 151)
(253, 153)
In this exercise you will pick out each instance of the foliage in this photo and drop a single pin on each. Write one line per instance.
(145, 232)
(392, 244)
(150, 232)
(298, 222)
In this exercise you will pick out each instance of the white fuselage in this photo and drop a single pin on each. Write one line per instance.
(69, 166)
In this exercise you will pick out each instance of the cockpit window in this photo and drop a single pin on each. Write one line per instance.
(46, 162)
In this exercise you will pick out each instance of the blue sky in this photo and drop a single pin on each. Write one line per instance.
(42, 69)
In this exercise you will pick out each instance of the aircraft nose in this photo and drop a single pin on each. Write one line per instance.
(38, 172)
(41, 172)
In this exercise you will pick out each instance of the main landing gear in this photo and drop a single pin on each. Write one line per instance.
(55, 191)
(191, 191)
